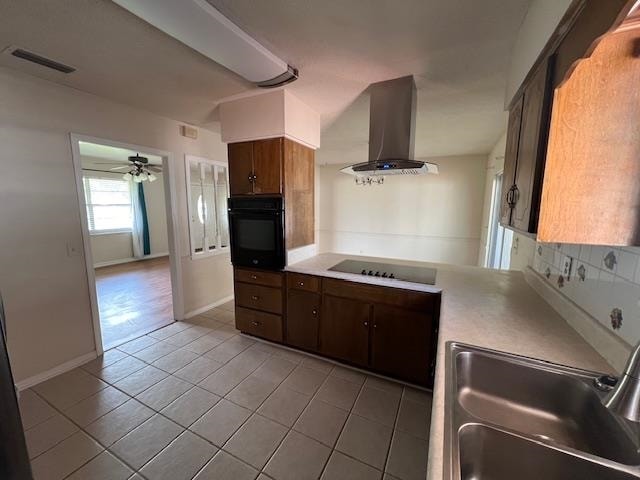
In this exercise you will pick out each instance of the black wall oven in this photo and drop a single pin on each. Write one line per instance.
(256, 226)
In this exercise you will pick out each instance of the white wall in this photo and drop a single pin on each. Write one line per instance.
(542, 18)
(45, 289)
(431, 218)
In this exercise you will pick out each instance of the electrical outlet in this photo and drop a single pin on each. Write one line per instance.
(73, 250)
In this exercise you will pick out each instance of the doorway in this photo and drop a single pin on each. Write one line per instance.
(500, 238)
(127, 207)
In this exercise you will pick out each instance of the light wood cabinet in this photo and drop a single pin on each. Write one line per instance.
(591, 190)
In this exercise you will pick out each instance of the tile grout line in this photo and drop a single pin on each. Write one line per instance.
(272, 353)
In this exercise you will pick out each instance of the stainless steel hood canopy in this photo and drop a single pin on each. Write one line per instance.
(392, 122)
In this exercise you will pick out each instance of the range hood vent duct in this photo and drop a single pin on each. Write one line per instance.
(392, 123)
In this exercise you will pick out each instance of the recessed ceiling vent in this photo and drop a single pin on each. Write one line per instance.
(40, 60)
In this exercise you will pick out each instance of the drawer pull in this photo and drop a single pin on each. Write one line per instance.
(366, 324)
(254, 277)
(255, 324)
(314, 312)
(302, 284)
(255, 297)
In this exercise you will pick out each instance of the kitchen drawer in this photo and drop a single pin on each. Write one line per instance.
(258, 297)
(260, 324)
(308, 283)
(411, 300)
(259, 277)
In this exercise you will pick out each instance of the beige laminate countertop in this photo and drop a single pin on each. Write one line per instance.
(481, 307)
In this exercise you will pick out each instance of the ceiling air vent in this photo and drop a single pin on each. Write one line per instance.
(40, 60)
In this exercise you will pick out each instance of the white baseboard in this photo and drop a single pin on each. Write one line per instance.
(611, 347)
(128, 260)
(55, 371)
(206, 308)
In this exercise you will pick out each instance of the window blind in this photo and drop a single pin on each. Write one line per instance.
(108, 204)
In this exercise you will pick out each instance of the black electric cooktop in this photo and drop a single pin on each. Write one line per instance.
(388, 270)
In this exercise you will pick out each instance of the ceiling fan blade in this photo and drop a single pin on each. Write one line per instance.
(108, 163)
(155, 169)
(123, 167)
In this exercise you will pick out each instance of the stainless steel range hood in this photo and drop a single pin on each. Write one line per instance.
(392, 121)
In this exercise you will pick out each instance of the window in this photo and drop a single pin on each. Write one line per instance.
(208, 190)
(108, 204)
(500, 238)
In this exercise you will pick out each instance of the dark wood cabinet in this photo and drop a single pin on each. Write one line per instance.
(344, 329)
(525, 152)
(278, 166)
(256, 167)
(259, 303)
(532, 149)
(510, 160)
(303, 319)
(260, 324)
(388, 330)
(258, 297)
(241, 168)
(402, 343)
(267, 166)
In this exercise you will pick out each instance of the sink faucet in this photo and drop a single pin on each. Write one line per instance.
(624, 399)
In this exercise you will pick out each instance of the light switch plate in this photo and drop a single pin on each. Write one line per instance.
(73, 250)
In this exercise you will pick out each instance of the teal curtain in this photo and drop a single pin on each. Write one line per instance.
(146, 242)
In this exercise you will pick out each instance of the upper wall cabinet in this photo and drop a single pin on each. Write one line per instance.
(526, 145)
(256, 167)
(591, 190)
(278, 166)
(530, 115)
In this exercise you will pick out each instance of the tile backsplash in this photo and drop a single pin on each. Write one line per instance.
(603, 281)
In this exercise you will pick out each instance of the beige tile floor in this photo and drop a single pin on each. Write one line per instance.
(197, 400)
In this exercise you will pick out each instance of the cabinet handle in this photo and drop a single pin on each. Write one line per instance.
(314, 312)
(254, 277)
(255, 297)
(255, 324)
(250, 178)
(366, 324)
(375, 325)
(301, 284)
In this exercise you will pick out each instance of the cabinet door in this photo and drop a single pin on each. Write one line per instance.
(241, 168)
(344, 329)
(510, 160)
(303, 315)
(267, 166)
(532, 149)
(402, 343)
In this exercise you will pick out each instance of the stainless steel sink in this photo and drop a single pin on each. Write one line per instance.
(508, 417)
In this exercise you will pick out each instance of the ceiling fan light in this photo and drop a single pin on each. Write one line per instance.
(127, 176)
(137, 179)
(152, 177)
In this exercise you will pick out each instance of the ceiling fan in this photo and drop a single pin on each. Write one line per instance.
(139, 169)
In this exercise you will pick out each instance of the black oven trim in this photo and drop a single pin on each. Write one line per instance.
(258, 206)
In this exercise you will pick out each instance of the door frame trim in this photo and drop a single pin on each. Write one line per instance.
(171, 208)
